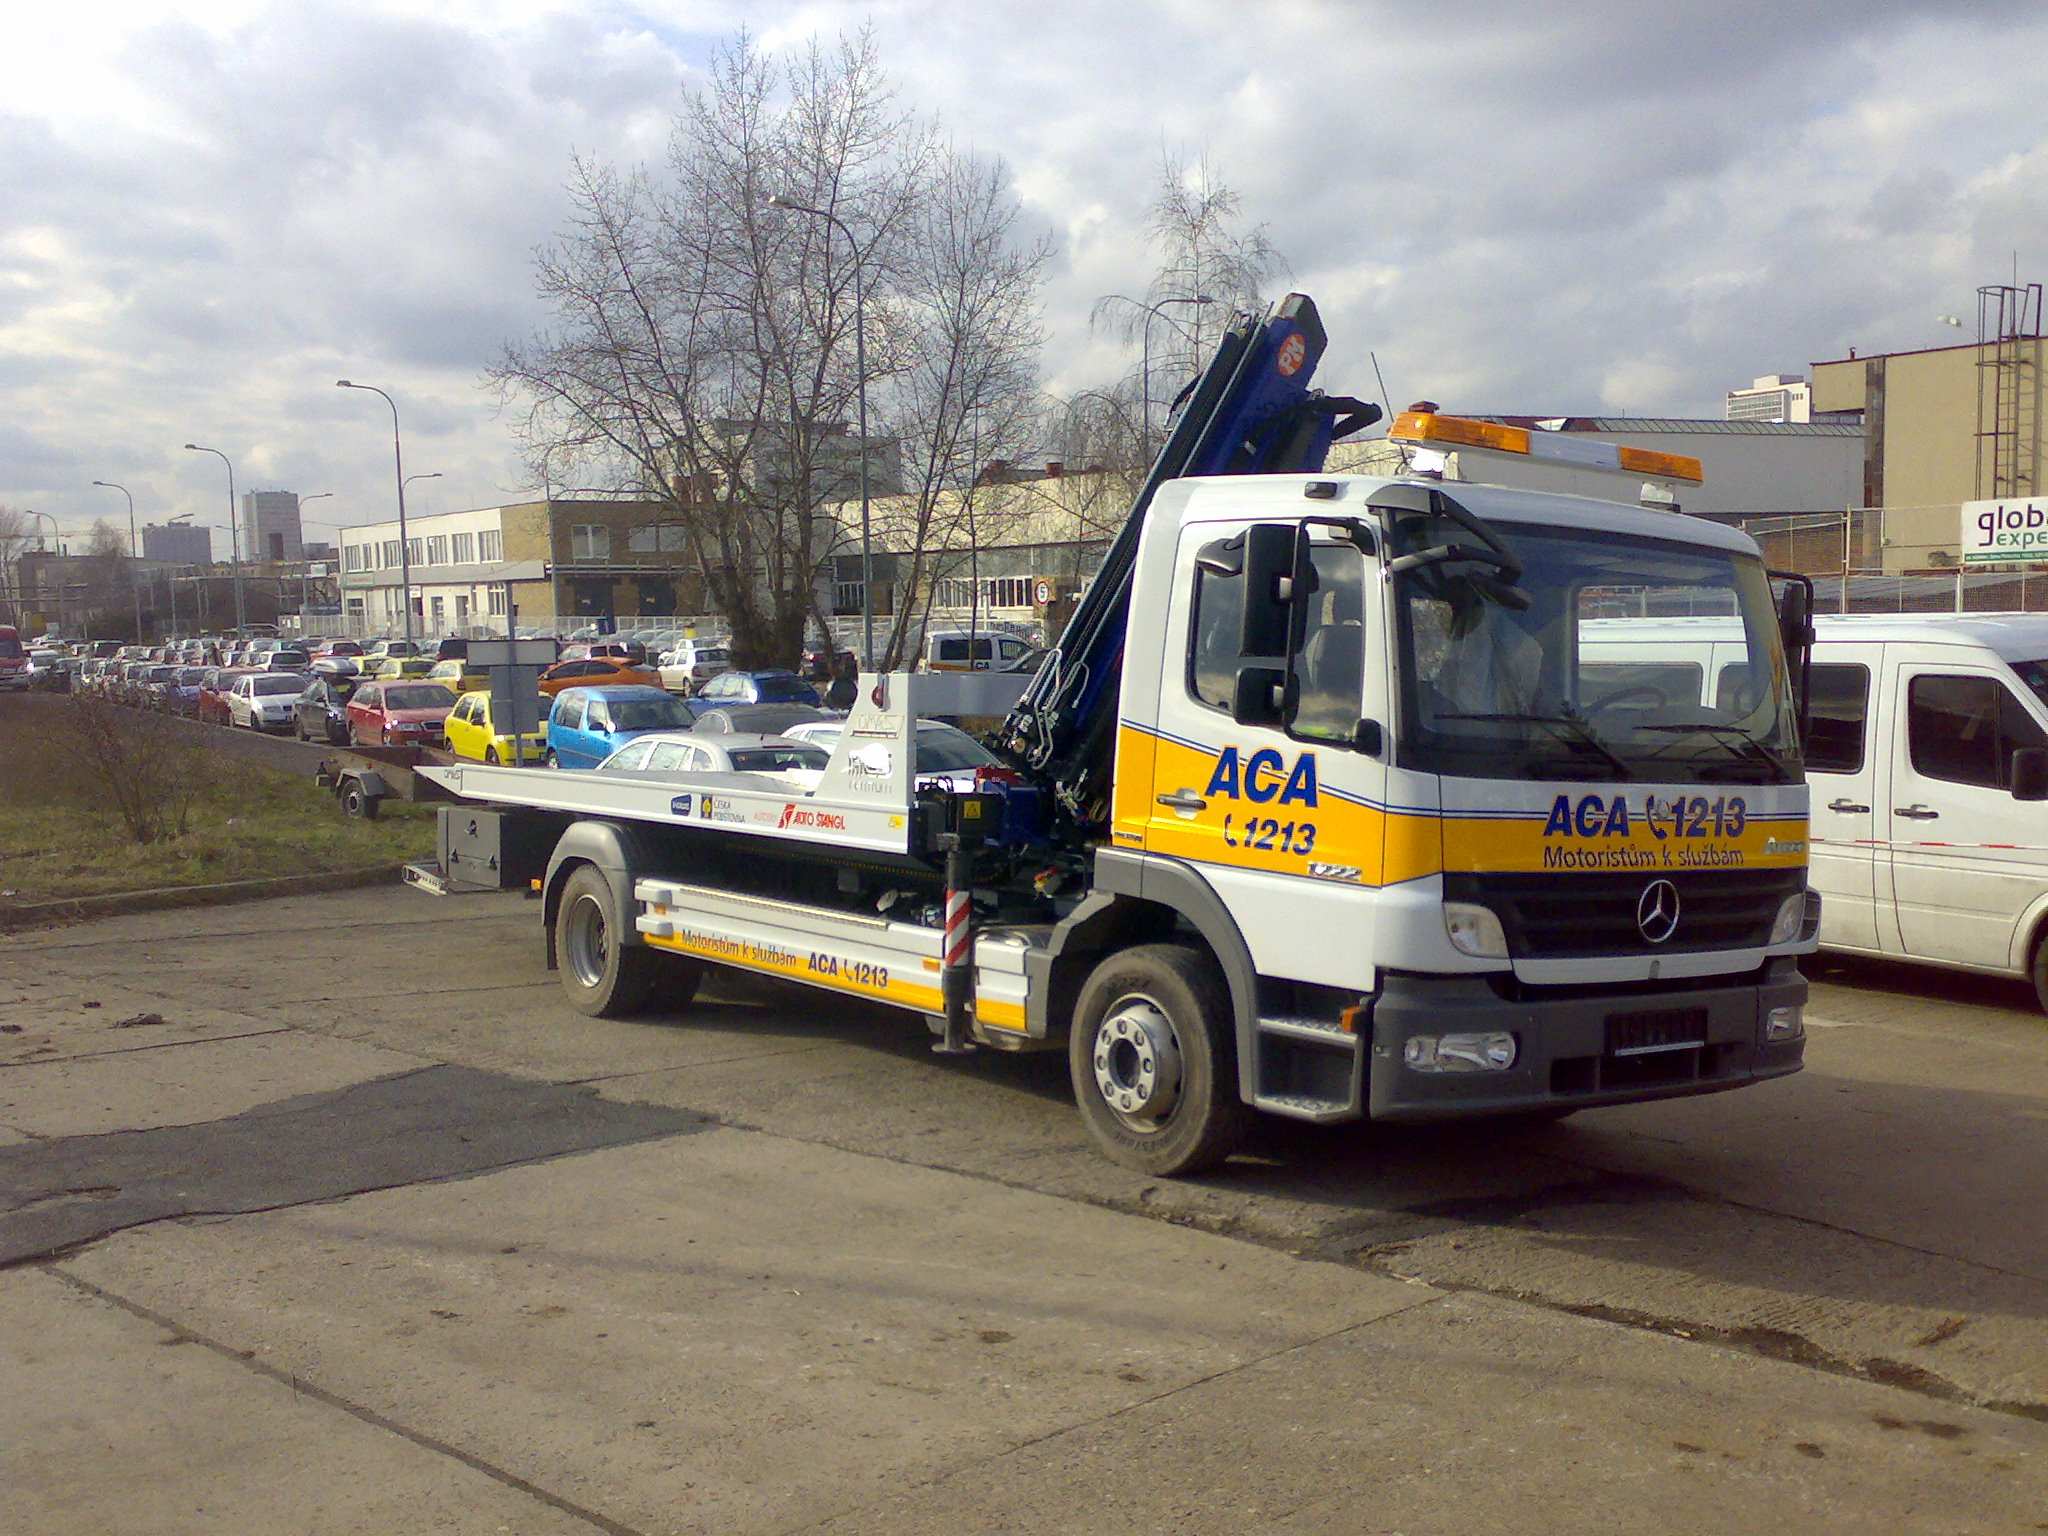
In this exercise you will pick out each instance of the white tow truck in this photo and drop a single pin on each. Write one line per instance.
(1312, 811)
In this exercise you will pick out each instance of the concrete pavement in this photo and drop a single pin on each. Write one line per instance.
(812, 1277)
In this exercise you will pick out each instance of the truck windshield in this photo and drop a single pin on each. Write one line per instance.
(1594, 679)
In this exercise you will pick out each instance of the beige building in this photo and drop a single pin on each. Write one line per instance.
(553, 564)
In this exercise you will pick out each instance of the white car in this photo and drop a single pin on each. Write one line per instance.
(266, 701)
(797, 762)
(690, 664)
(945, 754)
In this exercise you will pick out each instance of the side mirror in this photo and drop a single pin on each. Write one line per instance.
(1795, 616)
(1261, 696)
(2030, 773)
(1369, 738)
(1268, 589)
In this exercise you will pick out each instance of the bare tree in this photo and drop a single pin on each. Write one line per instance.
(16, 529)
(1205, 250)
(701, 348)
(966, 313)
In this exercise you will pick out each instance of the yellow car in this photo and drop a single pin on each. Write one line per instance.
(455, 675)
(472, 734)
(383, 667)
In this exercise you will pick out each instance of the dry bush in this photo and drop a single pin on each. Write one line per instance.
(138, 764)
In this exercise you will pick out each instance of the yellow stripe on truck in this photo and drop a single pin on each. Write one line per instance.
(880, 983)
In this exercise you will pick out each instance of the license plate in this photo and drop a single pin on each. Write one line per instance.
(1662, 1029)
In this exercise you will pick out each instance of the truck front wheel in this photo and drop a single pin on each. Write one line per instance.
(603, 977)
(1153, 1058)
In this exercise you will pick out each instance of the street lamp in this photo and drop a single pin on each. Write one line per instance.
(134, 551)
(303, 561)
(404, 544)
(1145, 376)
(234, 539)
(860, 385)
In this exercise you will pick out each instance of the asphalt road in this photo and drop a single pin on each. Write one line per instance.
(448, 1255)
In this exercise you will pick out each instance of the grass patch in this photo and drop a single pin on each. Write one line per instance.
(59, 839)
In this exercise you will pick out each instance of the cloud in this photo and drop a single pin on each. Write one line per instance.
(211, 213)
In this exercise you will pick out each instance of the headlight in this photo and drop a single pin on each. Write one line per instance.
(1787, 1023)
(1791, 918)
(1475, 931)
(1492, 1051)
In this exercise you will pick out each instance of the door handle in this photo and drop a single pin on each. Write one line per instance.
(1916, 813)
(1184, 800)
(1849, 807)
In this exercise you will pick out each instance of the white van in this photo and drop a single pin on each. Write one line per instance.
(986, 650)
(1927, 754)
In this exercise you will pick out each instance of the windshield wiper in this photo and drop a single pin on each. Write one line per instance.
(1570, 728)
(1734, 737)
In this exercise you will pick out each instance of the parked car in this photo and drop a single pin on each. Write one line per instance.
(214, 684)
(617, 650)
(284, 659)
(336, 667)
(945, 753)
(754, 719)
(596, 671)
(955, 650)
(774, 686)
(681, 752)
(474, 733)
(689, 664)
(588, 725)
(152, 688)
(389, 666)
(399, 714)
(341, 648)
(393, 648)
(452, 648)
(263, 701)
(321, 712)
(821, 660)
(455, 675)
(182, 697)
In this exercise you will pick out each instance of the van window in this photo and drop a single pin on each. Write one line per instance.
(1838, 704)
(1965, 729)
(569, 713)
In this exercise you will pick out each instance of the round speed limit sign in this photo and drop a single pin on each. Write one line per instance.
(1041, 594)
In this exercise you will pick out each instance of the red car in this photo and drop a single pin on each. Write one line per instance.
(213, 693)
(340, 648)
(399, 712)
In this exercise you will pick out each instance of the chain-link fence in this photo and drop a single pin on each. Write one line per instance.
(1893, 560)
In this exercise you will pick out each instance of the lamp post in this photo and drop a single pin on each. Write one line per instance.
(404, 544)
(1145, 374)
(134, 550)
(860, 386)
(234, 539)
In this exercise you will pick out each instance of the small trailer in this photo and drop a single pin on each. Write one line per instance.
(363, 778)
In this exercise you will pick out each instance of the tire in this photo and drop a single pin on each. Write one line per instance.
(602, 978)
(491, 756)
(549, 760)
(1137, 1007)
(2038, 970)
(359, 802)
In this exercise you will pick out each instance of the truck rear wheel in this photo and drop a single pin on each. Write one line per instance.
(1154, 1062)
(602, 977)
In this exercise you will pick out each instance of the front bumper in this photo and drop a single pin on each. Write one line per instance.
(1563, 1059)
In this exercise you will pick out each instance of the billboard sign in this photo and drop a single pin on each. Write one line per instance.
(2010, 530)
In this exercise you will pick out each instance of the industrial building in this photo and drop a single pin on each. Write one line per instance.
(177, 543)
(270, 528)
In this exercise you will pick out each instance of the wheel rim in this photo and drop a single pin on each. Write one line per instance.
(1137, 1062)
(589, 941)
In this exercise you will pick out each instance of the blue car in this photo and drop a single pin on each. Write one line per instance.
(771, 687)
(587, 725)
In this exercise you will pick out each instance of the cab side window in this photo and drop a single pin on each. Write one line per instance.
(1965, 729)
(1330, 666)
(569, 713)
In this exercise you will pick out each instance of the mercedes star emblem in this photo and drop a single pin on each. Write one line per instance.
(1657, 911)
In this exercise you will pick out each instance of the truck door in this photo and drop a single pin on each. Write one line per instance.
(1962, 871)
(1285, 822)
(1845, 767)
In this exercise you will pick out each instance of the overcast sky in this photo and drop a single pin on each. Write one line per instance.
(209, 212)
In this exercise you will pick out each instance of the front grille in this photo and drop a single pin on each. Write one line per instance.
(1553, 915)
